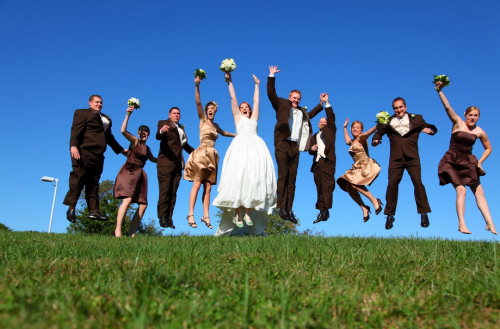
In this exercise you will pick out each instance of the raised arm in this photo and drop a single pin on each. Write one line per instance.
(223, 132)
(487, 147)
(449, 110)
(131, 138)
(364, 136)
(271, 90)
(197, 97)
(256, 99)
(347, 138)
(234, 102)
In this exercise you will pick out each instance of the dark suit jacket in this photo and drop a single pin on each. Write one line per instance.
(88, 134)
(329, 131)
(170, 145)
(407, 144)
(282, 107)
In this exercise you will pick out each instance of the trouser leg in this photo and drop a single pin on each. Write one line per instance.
(396, 170)
(414, 170)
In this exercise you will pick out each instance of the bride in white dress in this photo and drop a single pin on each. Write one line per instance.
(248, 179)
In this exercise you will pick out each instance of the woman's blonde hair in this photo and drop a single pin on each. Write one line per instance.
(211, 103)
(472, 108)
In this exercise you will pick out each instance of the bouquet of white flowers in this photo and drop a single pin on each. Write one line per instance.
(441, 78)
(134, 102)
(200, 73)
(383, 117)
(228, 65)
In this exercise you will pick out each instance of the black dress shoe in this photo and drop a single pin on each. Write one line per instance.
(70, 215)
(292, 217)
(425, 220)
(170, 223)
(284, 214)
(388, 223)
(322, 217)
(163, 222)
(97, 216)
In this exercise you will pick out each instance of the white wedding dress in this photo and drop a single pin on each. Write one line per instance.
(248, 179)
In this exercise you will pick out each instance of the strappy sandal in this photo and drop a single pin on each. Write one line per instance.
(192, 224)
(207, 223)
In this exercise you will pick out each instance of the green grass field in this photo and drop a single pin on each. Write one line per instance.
(76, 281)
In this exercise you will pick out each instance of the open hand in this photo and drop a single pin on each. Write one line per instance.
(427, 131)
(257, 81)
(273, 70)
(346, 122)
(164, 129)
(376, 142)
(74, 153)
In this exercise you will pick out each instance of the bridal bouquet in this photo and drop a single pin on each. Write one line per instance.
(441, 78)
(134, 102)
(228, 65)
(200, 73)
(383, 117)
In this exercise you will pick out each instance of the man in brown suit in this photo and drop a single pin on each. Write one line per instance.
(170, 164)
(292, 134)
(403, 131)
(90, 133)
(324, 160)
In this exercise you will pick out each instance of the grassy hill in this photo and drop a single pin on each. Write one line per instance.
(63, 281)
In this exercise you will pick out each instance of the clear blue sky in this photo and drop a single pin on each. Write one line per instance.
(54, 54)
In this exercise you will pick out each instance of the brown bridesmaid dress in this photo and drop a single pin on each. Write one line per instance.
(204, 161)
(364, 169)
(132, 180)
(458, 165)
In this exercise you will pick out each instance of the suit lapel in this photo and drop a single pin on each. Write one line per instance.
(410, 120)
(174, 127)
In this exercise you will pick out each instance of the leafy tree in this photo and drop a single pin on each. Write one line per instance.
(4, 227)
(277, 225)
(109, 207)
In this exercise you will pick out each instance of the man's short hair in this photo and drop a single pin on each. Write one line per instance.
(398, 99)
(295, 92)
(91, 98)
(173, 108)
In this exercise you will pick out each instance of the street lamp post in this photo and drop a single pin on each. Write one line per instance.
(56, 180)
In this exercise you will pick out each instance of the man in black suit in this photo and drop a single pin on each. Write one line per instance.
(90, 133)
(170, 164)
(403, 130)
(324, 160)
(292, 134)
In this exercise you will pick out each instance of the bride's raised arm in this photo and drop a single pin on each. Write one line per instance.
(256, 96)
(199, 106)
(234, 102)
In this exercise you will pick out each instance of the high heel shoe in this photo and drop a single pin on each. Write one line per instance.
(379, 209)
(366, 218)
(207, 223)
(249, 222)
(192, 224)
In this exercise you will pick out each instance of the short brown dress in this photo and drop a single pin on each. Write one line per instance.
(364, 169)
(458, 165)
(132, 180)
(204, 161)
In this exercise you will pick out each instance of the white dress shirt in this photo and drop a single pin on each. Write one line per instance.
(321, 146)
(402, 126)
(295, 123)
(105, 121)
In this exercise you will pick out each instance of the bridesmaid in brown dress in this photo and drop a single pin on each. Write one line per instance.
(131, 183)
(202, 165)
(460, 167)
(364, 170)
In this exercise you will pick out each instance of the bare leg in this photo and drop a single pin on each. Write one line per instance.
(247, 215)
(363, 190)
(483, 207)
(137, 219)
(461, 192)
(353, 192)
(239, 216)
(121, 214)
(207, 187)
(192, 201)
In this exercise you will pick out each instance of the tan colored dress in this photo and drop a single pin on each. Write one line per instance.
(364, 169)
(204, 161)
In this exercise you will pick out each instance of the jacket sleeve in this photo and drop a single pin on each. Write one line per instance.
(330, 118)
(431, 127)
(110, 139)
(379, 133)
(271, 93)
(188, 148)
(313, 142)
(315, 111)
(77, 129)
(158, 135)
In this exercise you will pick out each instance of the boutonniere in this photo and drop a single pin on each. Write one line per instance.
(182, 126)
(412, 116)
